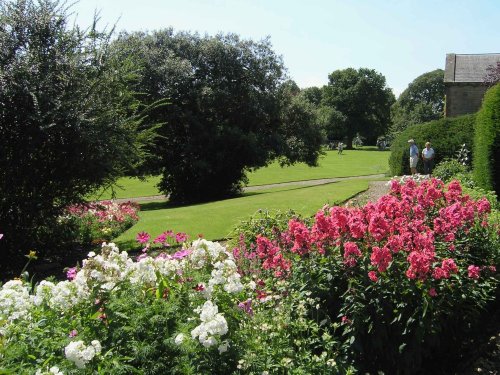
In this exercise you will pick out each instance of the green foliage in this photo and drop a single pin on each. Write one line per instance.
(363, 99)
(421, 102)
(67, 123)
(487, 142)
(227, 113)
(446, 136)
(447, 169)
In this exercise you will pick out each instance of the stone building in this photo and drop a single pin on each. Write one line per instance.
(463, 79)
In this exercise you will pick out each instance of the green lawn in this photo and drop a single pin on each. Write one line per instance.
(215, 219)
(351, 163)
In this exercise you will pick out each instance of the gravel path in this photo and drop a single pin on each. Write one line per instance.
(322, 181)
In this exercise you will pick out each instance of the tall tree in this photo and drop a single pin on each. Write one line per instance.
(225, 112)
(66, 124)
(422, 101)
(363, 101)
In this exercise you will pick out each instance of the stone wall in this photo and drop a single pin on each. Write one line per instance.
(463, 98)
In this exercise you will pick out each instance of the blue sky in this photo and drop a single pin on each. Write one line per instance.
(400, 39)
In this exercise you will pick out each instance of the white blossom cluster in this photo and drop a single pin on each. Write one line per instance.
(54, 370)
(110, 269)
(418, 178)
(203, 252)
(226, 273)
(80, 354)
(212, 324)
(15, 301)
(107, 269)
(61, 296)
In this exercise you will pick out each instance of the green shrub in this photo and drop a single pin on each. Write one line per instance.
(486, 141)
(446, 136)
(448, 168)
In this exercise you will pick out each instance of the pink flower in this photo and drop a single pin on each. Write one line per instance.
(346, 320)
(301, 237)
(181, 254)
(440, 273)
(1, 236)
(71, 273)
(181, 237)
(473, 272)
(373, 276)
(381, 257)
(246, 306)
(449, 265)
(73, 333)
(432, 292)
(351, 254)
(161, 238)
(142, 237)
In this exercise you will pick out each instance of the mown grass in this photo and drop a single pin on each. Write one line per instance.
(216, 219)
(350, 163)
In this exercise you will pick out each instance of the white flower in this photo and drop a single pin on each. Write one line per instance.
(179, 339)
(212, 323)
(79, 354)
(54, 370)
(251, 285)
(15, 301)
(91, 254)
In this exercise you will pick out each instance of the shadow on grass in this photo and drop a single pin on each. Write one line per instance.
(162, 205)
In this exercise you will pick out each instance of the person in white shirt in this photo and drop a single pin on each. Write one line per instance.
(428, 158)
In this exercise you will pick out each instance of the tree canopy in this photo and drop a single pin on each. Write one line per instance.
(362, 102)
(226, 113)
(66, 118)
(421, 102)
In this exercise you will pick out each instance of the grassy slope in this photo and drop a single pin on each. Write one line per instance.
(351, 163)
(215, 219)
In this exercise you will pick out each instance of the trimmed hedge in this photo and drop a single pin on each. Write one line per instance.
(446, 135)
(486, 142)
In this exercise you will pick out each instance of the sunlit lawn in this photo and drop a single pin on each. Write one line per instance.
(215, 219)
(350, 163)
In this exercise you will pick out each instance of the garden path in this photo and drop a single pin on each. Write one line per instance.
(322, 181)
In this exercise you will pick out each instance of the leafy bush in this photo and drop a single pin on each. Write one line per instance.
(226, 115)
(402, 277)
(447, 169)
(66, 121)
(487, 142)
(446, 136)
(379, 288)
(188, 312)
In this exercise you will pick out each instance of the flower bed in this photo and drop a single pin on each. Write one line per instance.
(376, 288)
(96, 222)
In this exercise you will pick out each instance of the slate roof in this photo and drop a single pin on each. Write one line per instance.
(468, 68)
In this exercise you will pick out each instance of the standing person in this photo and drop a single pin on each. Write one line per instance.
(413, 156)
(340, 147)
(428, 158)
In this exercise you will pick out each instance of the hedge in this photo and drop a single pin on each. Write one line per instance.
(486, 142)
(446, 136)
